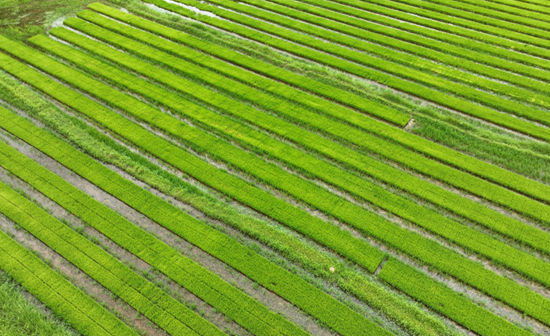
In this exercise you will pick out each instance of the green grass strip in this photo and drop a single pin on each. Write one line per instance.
(388, 149)
(411, 43)
(484, 33)
(249, 313)
(337, 95)
(417, 246)
(444, 300)
(501, 27)
(456, 35)
(537, 6)
(439, 224)
(145, 297)
(470, 108)
(529, 11)
(386, 61)
(169, 216)
(56, 292)
(417, 45)
(485, 8)
(305, 296)
(336, 239)
(318, 262)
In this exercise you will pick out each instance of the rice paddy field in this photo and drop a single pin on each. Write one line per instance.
(275, 167)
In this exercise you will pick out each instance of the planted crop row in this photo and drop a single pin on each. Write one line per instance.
(534, 5)
(532, 19)
(379, 34)
(58, 294)
(499, 24)
(354, 282)
(386, 65)
(145, 297)
(227, 299)
(328, 235)
(354, 101)
(467, 38)
(194, 231)
(412, 243)
(530, 11)
(413, 44)
(414, 8)
(404, 208)
(386, 148)
(446, 199)
(411, 87)
(303, 295)
(442, 299)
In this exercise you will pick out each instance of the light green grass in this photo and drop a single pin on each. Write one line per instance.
(524, 156)
(408, 315)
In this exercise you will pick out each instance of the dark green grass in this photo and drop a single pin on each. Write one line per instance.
(19, 316)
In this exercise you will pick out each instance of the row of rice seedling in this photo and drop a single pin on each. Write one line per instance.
(500, 12)
(378, 196)
(142, 295)
(527, 10)
(308, 256)
(459, 25)
(386, 148)
(387, 59)
(290, 287)
(56, 292)
(446, 199)
(347, 99)
(336, 239)
(501, 25)
(165, 214)
(418, 45)
(227, 299)
(534, 5)
(466, 38)
(444, 300)
(326, 57)
(412, 243)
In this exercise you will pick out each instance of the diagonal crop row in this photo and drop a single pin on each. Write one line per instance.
(534, 5)
(368, 191)
(532, 11)
(315, 261)
(441, 299)
(386, 148)
(326, 57)
(145, 297)
(482, 32)
(303, 295)
(57, 293)
(412, 243)
(536, 20)
(405, 20)
(412, 44)
(348, 99)
(227, 299)
(501, 27)
(202, 236)
(387, 62)
(394, 37)
(328, 235)
(451, 201)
